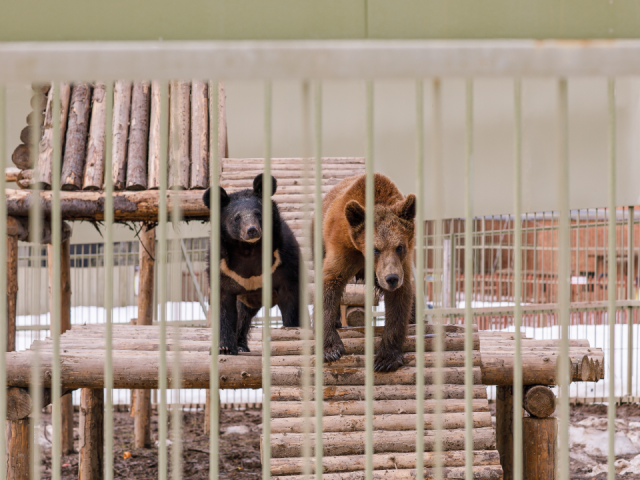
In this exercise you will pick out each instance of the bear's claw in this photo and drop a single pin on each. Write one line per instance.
(334, 353)
(224, 350)
(388, 361)
(243, 349)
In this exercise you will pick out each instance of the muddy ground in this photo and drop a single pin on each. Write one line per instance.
(240, 452)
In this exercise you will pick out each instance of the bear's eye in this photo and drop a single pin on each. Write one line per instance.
(238, 218)
(376, 251)
(399, 250)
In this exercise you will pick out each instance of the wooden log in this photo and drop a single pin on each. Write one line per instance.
(285, 445)
(284, 376)
(142, 402)
(539, 401)
(380, 392)
(355, 316)
(199, 136)
(11, 174)
(284, 173)
(387, 422)
(232, 163)
(154, 138)
(17, 441)
(76, 139)
(489, 472)
(223, 142)
(12, 289)
(540, 440)
(489, 343)
(94, 165)
(179, 129)
(383, 461)
(45, 149)
(19, 404)
(138, 136)
(21, 157)
(42, 88)
(91, 463)
(65, 324)
(121, 113)
(25, 179)
(504, 429)
(135, 206)
(536, 370)
(38, 101)
(25, 135)
(381, 407)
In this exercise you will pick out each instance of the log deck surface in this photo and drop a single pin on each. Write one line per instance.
(137, 361)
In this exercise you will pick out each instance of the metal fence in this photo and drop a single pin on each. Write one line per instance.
(316, 62)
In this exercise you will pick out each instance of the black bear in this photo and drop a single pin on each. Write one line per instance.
(241, 265)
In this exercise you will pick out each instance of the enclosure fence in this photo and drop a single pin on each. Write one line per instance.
(460, 285)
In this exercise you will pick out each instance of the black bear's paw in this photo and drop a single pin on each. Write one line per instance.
(333, 347)
(243, 348)
(228, 349)
(388, 361)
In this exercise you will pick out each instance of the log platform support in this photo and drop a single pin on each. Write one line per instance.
(91, 434)
(142, 398)
(66, 405)
(504, 429)
(540, 439)
(17, 438)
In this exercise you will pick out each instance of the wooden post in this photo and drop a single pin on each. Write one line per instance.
(540, 437)
(121, 112)
(179, 130)
(94, 164)
(45, 151)
(199, 136)
(91, 434)
(17, 438)
(12, 290)
(504, 429)
(65, 324)
(153, 176)
(142, 398)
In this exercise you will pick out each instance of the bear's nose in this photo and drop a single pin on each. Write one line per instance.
(252, 232)
(392, 280)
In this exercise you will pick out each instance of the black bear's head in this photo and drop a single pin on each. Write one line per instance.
(241, 212)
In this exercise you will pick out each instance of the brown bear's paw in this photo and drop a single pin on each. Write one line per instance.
(388, 361)
(227, 349)
(243, 348)
(333, 347)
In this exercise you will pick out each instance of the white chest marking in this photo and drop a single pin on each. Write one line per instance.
(251, 283)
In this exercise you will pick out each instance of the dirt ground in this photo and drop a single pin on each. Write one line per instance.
(240, 452)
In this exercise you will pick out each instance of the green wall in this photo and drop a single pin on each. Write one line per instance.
(39, 20)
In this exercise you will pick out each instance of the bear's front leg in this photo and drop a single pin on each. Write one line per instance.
(228, 323)
(245, 315)
(332, 343)
(398, 305)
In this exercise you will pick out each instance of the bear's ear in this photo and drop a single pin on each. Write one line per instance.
(224, 198)
(354, 213)
(257, 185)
(406, 210)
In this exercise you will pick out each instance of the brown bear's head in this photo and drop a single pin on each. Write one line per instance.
(393, 237)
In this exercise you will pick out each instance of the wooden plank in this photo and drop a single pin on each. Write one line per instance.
(94, 165)
(138, 136)
(120, 133)
(179, 130)
(76, 138)
(199, 177)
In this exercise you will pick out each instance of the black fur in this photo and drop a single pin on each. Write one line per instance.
(240, 212)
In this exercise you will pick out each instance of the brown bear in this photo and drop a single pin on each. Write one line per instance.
(343, 233)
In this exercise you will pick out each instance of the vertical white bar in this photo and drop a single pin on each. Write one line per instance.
(56, 241)
(612, 278)
(318, 277)
(162, 285)
(420, 279)
(563, 277)
(468, 284)
(108, 290)
(214, 282)
(267, 260)
(517, 277)
(368, 300)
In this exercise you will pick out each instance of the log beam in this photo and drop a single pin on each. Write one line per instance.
(17, 441)
(504, 429)
(539, 401)
(540, 440)
(91, 434)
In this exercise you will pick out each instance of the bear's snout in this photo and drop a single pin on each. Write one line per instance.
(389, 271)
(252, 232)
(392, 280)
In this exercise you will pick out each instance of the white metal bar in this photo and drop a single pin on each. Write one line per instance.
(3, 287)
(612, 279)
(34, 61)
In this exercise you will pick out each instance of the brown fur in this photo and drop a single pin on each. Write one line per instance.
(344, 246)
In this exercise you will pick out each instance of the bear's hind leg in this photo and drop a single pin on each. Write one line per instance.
(228, 325)
(245, 315)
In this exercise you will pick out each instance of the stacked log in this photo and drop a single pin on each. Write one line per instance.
(138, 137)
(76, 139)
(45, 150)
(154, 138)
(121, 112)
(179, 130)
(94, 165)
(199, 136)
(24, 155)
